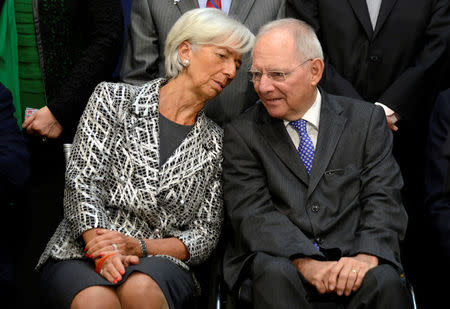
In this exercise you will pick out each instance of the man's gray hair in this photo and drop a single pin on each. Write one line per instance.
(306, 41)
(205, 26)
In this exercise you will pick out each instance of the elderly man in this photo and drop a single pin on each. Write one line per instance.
(312, 190)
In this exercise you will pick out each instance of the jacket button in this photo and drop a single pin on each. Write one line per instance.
(315, 207)
(318, 240)
(374, 58)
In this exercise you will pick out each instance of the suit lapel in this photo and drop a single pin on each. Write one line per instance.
(276, 136)
(330, 130)
(361, 11)
(187, 157)
(186, 5)
(240, 9)
(385, 10)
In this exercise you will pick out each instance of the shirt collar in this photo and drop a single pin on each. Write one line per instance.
(312, 115)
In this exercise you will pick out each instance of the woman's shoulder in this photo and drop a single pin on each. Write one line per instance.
(124, 95)
(212, 133)
(122, 86)
(211, 126)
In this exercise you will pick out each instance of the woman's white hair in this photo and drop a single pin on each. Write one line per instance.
(205, 26)
(306, 41)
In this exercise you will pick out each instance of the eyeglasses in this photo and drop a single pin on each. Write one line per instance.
(278, 76)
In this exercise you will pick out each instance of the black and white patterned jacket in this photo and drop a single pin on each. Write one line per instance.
(114, 180)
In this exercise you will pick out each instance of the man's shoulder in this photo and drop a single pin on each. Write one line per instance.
(443, 103)
(349, 107)
(254, 114)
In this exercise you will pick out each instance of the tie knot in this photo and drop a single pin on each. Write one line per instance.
(214, 4)
(299, 125)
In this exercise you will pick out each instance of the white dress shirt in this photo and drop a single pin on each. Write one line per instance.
(225, 5)
(312, 117)
(374, 9)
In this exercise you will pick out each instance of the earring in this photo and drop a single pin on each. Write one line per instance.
(185, 63)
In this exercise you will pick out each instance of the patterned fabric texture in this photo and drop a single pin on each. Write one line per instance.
(114, 181)
(306, 146)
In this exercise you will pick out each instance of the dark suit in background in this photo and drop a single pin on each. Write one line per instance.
(400, 64)
(14, 172)
(437, 186)
(151, 22)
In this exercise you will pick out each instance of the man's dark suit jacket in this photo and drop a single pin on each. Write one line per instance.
(349, 204)
(437, 172)
(399, 64)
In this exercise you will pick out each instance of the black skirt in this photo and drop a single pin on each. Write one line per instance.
(62, 280)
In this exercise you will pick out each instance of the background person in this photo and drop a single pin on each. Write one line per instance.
(14, 172)
(143, 198)
(150, 23)
(52, 55)
(437, 189)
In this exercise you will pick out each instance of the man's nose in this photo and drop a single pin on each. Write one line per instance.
(265, 84)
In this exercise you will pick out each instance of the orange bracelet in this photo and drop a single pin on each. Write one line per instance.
(99, 263)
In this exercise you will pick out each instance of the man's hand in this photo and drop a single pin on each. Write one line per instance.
(343, 276)
(43, 123)
(348, 273)
(316, 272)
(391, 116)
(391, 120)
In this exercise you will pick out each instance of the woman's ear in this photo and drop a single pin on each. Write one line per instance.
(184, 51)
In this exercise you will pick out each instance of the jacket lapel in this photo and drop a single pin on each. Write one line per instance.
(385, 10)
(330, 130)
(362, 13)
(240, 9)
(186, 5)
(199, 134)
(141, 141)
(278, 139)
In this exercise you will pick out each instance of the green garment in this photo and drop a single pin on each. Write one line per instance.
(30, 77)
(9, 70)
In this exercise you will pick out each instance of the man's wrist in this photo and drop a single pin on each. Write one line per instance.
(371, 260)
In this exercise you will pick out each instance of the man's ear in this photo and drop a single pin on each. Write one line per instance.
(316, 68)
(184, 51)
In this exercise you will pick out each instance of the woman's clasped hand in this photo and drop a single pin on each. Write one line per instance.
(112, 252)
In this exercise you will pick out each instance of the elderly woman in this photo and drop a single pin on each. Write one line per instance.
(143, 199)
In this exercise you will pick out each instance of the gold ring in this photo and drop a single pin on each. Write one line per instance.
(355, 271)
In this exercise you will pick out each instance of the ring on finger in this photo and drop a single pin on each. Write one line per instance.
(114, 247)
(355, 271)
